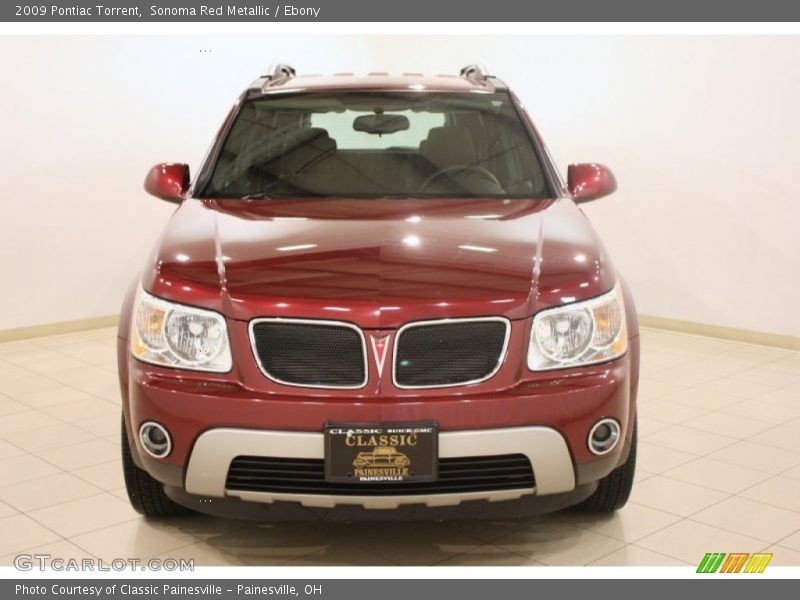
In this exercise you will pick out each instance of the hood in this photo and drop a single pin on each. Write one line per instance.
(378, 263)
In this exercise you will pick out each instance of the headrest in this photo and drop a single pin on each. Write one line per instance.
(308, 137)
(304, 146)
(449, 146)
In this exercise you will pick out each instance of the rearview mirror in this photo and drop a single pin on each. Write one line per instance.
(381, 123)
(168, 181)
(590, 181)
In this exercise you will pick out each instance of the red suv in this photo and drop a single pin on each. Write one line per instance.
(378, 291)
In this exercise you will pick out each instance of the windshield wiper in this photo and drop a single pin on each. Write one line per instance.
(257, 196)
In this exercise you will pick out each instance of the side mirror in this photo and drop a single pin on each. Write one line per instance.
(168, 181)
(590, 181)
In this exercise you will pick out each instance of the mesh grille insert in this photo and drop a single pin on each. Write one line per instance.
(440, 354)
(310, 354)
(307, 476)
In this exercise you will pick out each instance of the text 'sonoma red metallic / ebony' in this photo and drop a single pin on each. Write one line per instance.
(378, 291)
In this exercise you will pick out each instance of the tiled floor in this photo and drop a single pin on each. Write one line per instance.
(719, 470)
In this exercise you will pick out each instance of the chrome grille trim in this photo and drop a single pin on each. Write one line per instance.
(451, 321)
(266, 373)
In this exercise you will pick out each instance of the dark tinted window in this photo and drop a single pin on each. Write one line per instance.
(364, 145)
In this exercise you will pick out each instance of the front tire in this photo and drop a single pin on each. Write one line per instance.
(146, 493)
(614, 489)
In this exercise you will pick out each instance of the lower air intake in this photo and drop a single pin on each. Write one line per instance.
(307, 476)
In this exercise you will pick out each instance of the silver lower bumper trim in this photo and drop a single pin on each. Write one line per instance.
(215, 449)
(380, 502)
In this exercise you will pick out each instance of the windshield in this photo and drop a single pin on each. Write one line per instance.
(373, 145)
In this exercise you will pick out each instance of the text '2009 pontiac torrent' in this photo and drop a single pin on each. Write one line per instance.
(378, 291)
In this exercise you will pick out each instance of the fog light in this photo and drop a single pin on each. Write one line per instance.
(604, 436)
(155, 439)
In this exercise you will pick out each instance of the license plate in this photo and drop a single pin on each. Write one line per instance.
(381, 453)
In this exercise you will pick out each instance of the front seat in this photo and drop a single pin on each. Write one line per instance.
(448, 147)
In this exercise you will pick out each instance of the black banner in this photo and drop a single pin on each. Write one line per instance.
(395, 589)
(408, 10)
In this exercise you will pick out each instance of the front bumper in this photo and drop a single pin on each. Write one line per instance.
(215, 449)
(545, 416)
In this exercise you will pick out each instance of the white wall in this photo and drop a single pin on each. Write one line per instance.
(702, 133)
(83, 119)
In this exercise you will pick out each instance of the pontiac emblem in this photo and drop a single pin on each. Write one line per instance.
(380, 345)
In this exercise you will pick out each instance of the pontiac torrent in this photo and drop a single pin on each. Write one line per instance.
(378, 291)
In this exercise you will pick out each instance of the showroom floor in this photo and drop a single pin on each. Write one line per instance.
(719, 470)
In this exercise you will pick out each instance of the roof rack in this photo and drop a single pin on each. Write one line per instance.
(278, 74)
(475, 72)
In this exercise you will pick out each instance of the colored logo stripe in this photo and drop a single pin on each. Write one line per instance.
(711, 562)
(758, 562)
(735, 561)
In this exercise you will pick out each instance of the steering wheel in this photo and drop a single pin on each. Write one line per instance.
(456, 168)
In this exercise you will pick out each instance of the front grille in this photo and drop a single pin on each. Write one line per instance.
(307, 476)
(311, 354)
(446, 353)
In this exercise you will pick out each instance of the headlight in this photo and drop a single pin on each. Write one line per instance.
(582, 333)
(173, 335)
